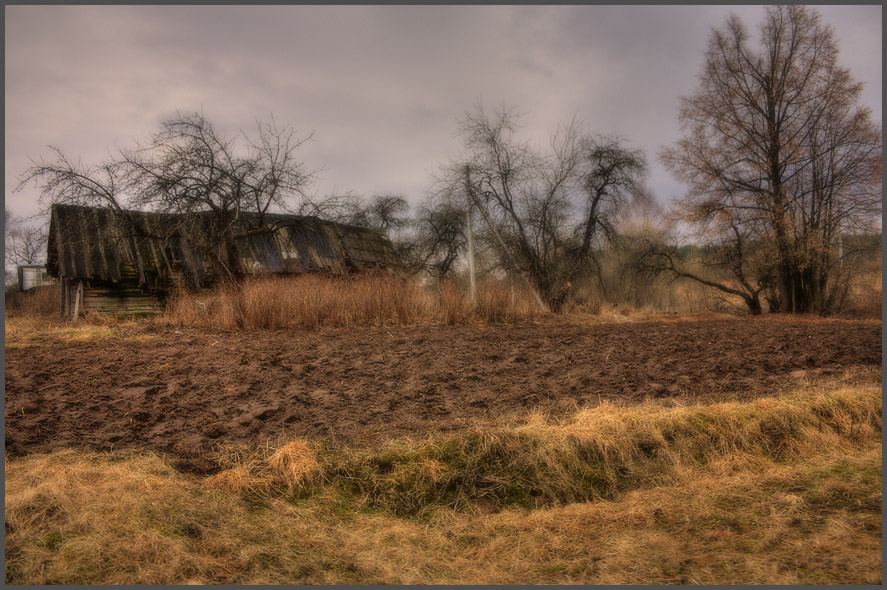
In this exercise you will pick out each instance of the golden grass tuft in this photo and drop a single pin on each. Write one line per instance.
(239, 481)
(293, 464)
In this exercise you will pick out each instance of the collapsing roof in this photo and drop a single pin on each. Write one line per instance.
(101, 244)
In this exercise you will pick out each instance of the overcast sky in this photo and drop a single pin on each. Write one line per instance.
(381, 87)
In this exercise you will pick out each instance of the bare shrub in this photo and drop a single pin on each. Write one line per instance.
(864, 294)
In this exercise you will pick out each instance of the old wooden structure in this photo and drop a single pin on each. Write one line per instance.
(126, 262)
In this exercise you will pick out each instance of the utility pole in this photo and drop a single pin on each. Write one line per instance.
(471, 280)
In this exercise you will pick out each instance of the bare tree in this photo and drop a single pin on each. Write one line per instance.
(62, 180)
(777, 143)
(734, 260)
(612, 181)
(189, 168)
(439, 234)
(25, 243)
(389, 213)
(386, 212)
(545, 208)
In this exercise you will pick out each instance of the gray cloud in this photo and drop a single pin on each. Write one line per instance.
(382, 87)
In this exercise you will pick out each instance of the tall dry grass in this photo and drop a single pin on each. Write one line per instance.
(40, 301)
(784, 490)
(316, 301)
(864, 292)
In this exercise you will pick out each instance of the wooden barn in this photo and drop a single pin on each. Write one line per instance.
(127, 262)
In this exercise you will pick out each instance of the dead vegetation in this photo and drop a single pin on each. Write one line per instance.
(40, 301)
(597, 453)
(315, 301)
(779, 490)
(318, 301)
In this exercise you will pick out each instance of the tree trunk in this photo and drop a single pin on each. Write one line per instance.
(754, 304)
(555, 293)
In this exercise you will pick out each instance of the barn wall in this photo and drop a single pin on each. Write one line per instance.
(123, 298)
(119, 301)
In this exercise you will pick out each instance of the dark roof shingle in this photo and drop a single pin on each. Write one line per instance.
(93, 243)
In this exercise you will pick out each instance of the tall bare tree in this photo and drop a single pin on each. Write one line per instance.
(189, 168)
(546, 208)
(25, 243)
(776, 141)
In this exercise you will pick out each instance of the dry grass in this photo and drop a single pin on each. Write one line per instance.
(316, 301)
(598, 453)
(22, 331)
(784, 490)
(864, 293)
(309, 302)
(40, 301)
(293, 464)
(259, 473)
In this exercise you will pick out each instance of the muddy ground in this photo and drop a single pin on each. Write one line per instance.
(185, 390)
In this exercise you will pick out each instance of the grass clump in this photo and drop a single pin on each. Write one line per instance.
(258, 473)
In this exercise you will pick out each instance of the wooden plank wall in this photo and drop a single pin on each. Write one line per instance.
(123, 298)
(119, 301)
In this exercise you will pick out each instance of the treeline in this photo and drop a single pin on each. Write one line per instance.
(623, 270)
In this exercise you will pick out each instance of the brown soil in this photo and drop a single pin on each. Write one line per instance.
(190, 389)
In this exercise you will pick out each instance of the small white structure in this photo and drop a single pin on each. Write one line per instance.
(32, 275)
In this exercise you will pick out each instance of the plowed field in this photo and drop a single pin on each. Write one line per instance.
(185, 390)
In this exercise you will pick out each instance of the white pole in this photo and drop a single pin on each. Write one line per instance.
(471, 279)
